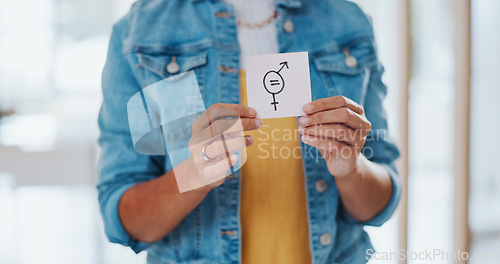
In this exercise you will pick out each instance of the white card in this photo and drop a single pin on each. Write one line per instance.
(278, 85)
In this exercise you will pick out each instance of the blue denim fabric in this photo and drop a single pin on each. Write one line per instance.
(145, 41)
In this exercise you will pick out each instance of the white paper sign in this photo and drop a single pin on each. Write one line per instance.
(278, 85)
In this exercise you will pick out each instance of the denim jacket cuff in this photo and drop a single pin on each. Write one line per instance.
(389, 209)
(114, 227)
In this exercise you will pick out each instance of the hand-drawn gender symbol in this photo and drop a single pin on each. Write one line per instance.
(274, 83)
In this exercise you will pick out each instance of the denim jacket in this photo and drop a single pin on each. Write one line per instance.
(202, 35)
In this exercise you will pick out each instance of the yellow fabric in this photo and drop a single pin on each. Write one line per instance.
(273, 200)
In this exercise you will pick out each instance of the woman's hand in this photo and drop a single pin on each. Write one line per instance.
(152, 209)
(337, 126)
(216, 136)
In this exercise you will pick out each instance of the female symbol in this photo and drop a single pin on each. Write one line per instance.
(274, 83)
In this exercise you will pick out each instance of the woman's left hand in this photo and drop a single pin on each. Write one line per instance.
(337, 126)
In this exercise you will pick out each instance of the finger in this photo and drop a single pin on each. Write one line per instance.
(218, 111)
(217, 170)
(221, 148)
(335, 102)
(341, 133)
(332, 131)
(343, 116)
(230, 127)
(329, 148)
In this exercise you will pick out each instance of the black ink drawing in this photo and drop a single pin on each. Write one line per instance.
(274, 83)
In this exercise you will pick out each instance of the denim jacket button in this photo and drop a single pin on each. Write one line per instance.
(350, 61)
(288, 26)
(173, 67)
(321, 185)
(325, 239)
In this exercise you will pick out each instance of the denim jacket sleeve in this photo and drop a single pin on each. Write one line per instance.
(121, 167)
(379, 147)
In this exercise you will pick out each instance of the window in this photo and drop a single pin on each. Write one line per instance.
(484, 173)
(431, 92)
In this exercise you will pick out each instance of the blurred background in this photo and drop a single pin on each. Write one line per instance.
(441, 59)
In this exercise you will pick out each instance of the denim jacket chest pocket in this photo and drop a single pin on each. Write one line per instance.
(177, 102)
(156, 64)
(344, 70)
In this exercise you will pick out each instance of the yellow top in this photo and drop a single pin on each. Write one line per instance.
(273, 200)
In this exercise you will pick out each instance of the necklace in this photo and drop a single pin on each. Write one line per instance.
(268, 20)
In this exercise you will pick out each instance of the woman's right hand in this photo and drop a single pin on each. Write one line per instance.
(216, 135)
(152, 209)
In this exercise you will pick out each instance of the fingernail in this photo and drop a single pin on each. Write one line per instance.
(234, 158)
(304, 138)
(249, 139)
(258, 122)
(252, 112)
(303, 120)
(301, 129)
(308, 108)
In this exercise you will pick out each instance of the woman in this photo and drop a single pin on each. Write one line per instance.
(306, 207)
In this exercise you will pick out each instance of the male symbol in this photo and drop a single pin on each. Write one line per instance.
(274, 83)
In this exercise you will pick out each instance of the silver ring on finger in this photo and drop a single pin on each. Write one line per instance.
(204, 154)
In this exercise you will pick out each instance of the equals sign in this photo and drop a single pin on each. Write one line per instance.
(274, 82)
